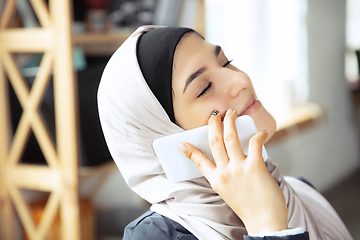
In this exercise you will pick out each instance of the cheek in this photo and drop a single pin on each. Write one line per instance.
(193, 115)
(185, 115)
(191, 118)
(200, 114)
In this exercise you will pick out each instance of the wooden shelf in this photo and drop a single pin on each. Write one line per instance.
(100, 44)
(299, 118)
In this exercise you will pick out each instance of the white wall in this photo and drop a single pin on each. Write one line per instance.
(330, 152)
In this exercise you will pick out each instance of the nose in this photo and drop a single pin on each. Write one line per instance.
(233, 81)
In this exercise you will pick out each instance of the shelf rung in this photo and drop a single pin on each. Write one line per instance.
(40, 178)
(26, 40)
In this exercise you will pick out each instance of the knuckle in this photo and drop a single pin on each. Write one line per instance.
(193, 154)
(214, 141)
(200, 164)
(223, 177)
(229, 137)
(190, 153)
(195, 157)
(219, 181)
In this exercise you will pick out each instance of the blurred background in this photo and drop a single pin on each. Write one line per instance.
(303, 57)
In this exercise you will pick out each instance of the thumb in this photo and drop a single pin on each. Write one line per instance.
(205, 165)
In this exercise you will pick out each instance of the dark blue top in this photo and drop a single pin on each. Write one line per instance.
(153, 226)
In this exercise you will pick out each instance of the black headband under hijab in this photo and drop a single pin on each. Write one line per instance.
(155, 52)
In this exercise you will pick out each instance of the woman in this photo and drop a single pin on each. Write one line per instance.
(166, 80)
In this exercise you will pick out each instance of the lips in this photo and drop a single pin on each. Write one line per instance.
(248, 104)
(251, 106)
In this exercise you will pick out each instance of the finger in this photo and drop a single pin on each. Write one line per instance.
(231, 138)
(205, 165)
(256, 143)
(216, 140)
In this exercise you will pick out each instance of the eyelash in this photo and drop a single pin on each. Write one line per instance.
(210, 83)
(205, 90)
(228, 62)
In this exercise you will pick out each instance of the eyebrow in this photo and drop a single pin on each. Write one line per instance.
(201, 70)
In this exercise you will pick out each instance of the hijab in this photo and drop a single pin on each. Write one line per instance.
(155, 51)
(132, 118)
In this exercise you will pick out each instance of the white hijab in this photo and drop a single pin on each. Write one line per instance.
(131, 118)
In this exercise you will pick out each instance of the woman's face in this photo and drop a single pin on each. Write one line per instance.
(204, 81)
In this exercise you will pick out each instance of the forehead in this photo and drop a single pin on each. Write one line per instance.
(189, 45)
(191, 52)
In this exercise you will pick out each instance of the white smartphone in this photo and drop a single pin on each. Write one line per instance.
(178, 167)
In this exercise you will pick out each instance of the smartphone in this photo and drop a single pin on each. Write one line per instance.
(178, 167)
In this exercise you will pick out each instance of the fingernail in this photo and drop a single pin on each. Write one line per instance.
(214, 113)
(182, 147)
(229, 111)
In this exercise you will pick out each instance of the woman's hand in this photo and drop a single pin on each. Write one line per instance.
(243, 182)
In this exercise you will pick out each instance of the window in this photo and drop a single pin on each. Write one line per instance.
(268, 41)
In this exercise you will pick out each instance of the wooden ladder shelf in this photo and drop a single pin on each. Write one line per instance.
(60, 176)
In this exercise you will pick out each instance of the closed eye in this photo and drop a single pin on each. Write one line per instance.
(210, 83)
(205, 90)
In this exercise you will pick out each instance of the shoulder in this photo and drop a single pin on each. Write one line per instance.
(152, 225)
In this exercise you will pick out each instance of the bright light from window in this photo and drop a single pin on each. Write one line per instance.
(268, 41)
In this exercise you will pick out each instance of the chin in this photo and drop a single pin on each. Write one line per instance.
(264, 121)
